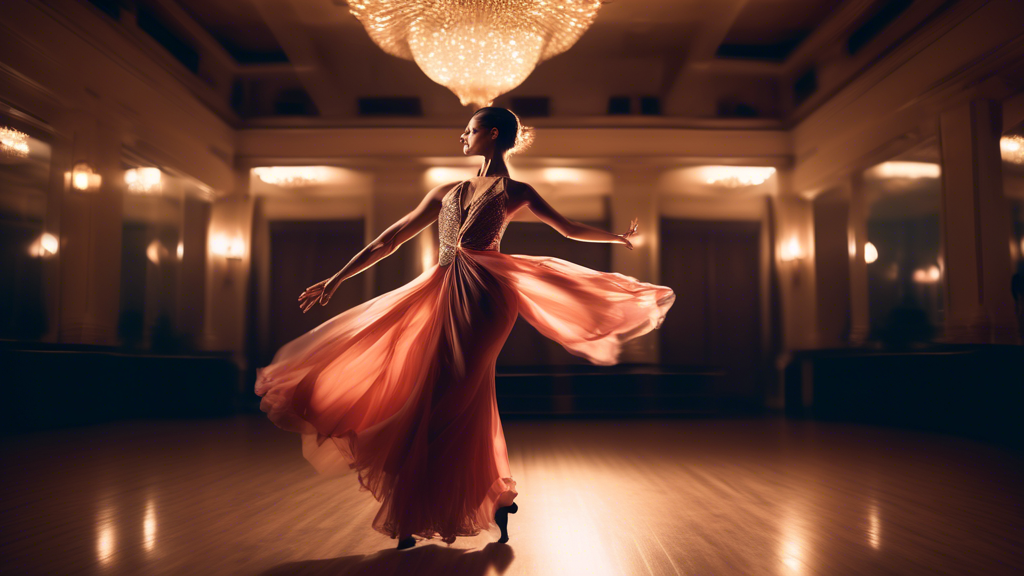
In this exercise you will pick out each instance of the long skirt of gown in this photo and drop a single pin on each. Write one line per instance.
(401, 387)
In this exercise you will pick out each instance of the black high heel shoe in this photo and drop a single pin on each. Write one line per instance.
(501, 519)
(406, 543)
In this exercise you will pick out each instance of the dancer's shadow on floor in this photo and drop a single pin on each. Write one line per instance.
(423, 560)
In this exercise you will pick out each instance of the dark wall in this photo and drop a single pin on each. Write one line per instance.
(303, 253)
(713, 267)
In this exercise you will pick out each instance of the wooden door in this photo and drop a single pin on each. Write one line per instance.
(713, 267)
(301, 254)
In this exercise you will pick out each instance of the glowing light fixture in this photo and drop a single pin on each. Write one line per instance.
(561, 175)
(156, 252)
(910, 170)
(927, 276)
(870, 253)
(443, 174)
(181, 250)
(84, 178)
(478, 49)
(44, 246)
(13, 144)
(144, 180)
(737, 176)
(291, 176)
(1012, 149)
(792, 250)
(232, 249)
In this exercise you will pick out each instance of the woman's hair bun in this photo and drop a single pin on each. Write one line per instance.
(524, 139)
(513, 137)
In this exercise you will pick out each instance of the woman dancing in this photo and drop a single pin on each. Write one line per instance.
(401, 388)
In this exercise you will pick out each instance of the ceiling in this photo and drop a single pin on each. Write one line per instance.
(662, 48)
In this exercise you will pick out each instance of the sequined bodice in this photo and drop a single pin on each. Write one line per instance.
(484, 222)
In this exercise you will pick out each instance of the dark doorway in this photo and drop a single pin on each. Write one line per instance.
(303, 253)
(713, 267)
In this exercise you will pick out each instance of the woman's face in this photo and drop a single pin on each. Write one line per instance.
(477, 140)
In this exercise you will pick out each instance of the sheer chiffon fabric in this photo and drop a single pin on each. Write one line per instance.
(401, 388)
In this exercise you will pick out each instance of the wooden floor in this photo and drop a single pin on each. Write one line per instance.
(765, 496)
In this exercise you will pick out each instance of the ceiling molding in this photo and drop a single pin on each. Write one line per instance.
(208, 44)
(834, 29)
(283, 20)
(721, 16)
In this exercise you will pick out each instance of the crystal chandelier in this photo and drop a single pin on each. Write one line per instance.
(478, 49)
(13, 144)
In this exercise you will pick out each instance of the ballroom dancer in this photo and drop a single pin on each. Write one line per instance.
(401, 387)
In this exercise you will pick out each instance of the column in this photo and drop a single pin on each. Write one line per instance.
(794, 225)
(192, 284)
(228, 262)
(975, 226)
(860, 317)
(832, 267)
(635, 195)
(90, 251)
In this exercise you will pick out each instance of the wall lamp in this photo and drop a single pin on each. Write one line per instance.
(792, 251)
(84, 178)
(230, 248)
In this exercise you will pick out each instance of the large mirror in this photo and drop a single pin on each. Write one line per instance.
(904, 198)
(25, 157)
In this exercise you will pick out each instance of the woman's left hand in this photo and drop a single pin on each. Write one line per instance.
(630, 233)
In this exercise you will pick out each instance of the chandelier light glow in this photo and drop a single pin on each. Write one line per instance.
(290, 176)
(737, 176)
(478, 49)
(144, 180)
(13, 143)
(908, 170)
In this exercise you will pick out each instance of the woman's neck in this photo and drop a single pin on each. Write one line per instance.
(493, 166)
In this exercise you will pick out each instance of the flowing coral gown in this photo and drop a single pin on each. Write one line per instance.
(401, 387)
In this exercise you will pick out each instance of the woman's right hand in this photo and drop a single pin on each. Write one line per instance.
(319, 292)
(630, 233)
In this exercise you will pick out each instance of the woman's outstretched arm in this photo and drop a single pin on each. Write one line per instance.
(389, 240)
(572, 229)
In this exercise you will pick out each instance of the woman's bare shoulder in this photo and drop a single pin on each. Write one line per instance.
(519, 189)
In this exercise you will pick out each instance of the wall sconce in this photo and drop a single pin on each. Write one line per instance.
(84, 178)
(1012, 149)
(144, 180)
(44, 246)
(870, 253)
(792, 251)
(156, 252)
(232, 249)
(930, 275)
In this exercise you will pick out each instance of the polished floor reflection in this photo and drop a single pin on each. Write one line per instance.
(771, 496)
